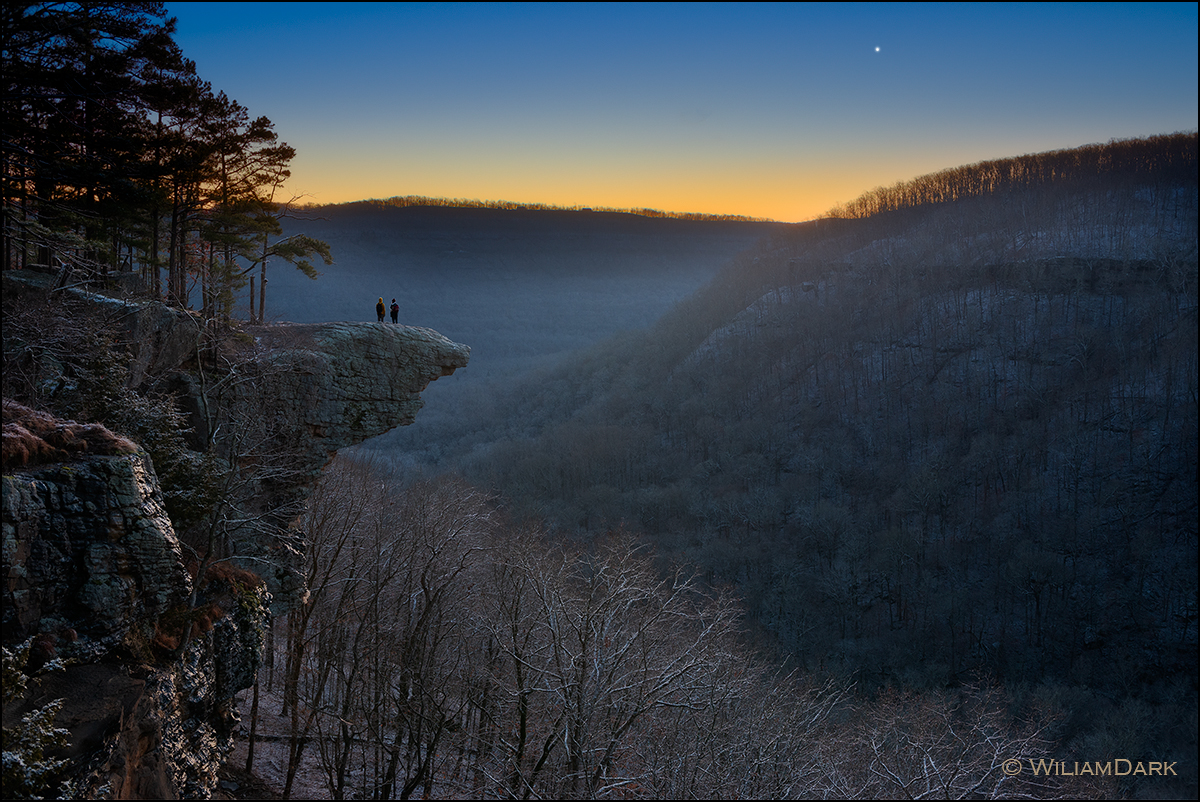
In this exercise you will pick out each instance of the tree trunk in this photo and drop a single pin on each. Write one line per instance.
(253, 729)
(262, 294)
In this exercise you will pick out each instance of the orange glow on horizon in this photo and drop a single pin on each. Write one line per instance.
(752, 207)
(768, 203)
(809, 105)
(786, 190)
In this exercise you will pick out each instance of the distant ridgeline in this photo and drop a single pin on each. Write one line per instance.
(951, 431)
(404, 201)
(1166, 160)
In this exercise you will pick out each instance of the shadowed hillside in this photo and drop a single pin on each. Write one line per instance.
(946, 438)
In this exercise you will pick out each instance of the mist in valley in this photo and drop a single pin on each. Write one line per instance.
(947, 432)
(898, 502)
(523, 288)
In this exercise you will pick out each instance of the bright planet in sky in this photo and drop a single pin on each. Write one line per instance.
(758, 109)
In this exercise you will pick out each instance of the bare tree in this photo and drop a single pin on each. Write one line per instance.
(953, 745)
(379, 655)
(593, 645)
(340, 505)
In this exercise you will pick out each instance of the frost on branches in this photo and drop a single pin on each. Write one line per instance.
(28, 772)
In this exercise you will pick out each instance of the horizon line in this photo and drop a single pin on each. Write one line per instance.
(404, 201)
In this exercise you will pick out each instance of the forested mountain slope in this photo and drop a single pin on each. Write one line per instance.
(943, 437)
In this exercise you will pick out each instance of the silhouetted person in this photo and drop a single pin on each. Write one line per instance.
(379, 310)
(395, 311)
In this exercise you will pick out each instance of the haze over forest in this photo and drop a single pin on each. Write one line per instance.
(947, 430)
(877, 505)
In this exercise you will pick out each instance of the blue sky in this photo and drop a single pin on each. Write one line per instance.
(768, 110)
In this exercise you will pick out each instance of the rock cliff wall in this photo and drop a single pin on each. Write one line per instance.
(95, 572)
(96, 577)
(87, 545)
(348, 382)
(303, 393)
(276, 402)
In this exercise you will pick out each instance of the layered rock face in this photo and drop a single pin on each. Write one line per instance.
(344, 382)
(317, 388)
(347, 382)
(87, 545)
(298, 392)
(95, 573)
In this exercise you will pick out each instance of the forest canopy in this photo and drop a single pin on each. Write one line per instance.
(937, 436)
(122, 163)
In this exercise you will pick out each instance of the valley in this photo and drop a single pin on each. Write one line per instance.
(524, 287)
(926, 444)
(897, 502)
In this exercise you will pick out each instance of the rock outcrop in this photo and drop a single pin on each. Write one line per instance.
(88, 545)
(94, 571)
(312, 390)
(95, 575)
(298, 392)
(348, 382)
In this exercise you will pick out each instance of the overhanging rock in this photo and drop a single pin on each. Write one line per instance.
(349, 382)
(318, 388)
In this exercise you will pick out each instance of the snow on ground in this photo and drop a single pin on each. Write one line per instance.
(271, 759)
(271, 749)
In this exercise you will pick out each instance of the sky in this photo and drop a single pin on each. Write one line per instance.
(777, 111)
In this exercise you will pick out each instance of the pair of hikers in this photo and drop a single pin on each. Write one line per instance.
(379, 310)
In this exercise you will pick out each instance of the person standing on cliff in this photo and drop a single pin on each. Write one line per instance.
(395, 311)
(379, 310)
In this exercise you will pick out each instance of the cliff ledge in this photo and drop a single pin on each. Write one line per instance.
(160, 628)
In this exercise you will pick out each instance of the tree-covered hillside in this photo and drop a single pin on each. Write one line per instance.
(948, 437)
(897, 497)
